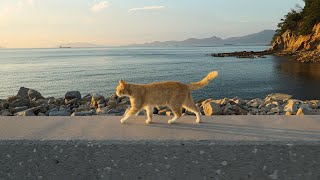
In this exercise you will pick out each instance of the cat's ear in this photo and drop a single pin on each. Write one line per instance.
(122, 82)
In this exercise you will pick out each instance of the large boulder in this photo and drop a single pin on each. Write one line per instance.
(34, 95)
(23, 92)
(6, 113)
(277, 97)
(13, 98)
(211, 108)
(20, 102)
(72, 95)
(28, 112)
(97, 99)
(291, 106)
(18, 109)
(255, 103)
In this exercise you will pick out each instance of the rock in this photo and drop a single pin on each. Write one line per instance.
(102, 111)
(52, 110)
(72, 95)
(13, 98)
(291, 107)
(239, 111)
(314, 104)
(228, 111)
(211, 108)
(277, 97)
(115, 111)
(41, 114)
(84, 113)
(60, 113)
(23, 92)
(97, 99)
(34, 95)
(255, 103)
(40, 102)
(25, 113)
(112, 103)
(238, 101)
(18, 109)
(59, 101)
(276, 110)
(6, 113)
(71, 102)
(5, 105)
(86, 98)
(51, 101)
(20, 102)
(305, 106)
(305, 111)
(101, 105)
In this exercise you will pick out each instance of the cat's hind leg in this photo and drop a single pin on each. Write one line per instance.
(149, 110)
(190, 106)
(131, 112)
(177, 111)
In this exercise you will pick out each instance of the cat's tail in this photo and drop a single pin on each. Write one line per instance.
(204, 82)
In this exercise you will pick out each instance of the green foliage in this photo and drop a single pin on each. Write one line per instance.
(300, 20)
(311, 16)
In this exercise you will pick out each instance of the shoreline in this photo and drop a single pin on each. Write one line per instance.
(29, 102)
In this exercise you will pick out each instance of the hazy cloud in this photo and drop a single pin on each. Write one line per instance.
(100, 6)
(11, 8)
(147, 8)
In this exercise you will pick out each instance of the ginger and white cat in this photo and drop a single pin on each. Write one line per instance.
(174, 95)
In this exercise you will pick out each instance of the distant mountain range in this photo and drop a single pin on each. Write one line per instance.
(260, 38)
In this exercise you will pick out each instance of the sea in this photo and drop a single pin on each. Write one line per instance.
(55, 71)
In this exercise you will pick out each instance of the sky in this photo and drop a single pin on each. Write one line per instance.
(49, 23)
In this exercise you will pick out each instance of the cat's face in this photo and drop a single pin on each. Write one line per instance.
(122, 89)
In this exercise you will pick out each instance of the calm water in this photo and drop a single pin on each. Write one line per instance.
(53, 72)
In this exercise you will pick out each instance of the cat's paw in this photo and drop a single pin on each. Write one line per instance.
(171, 121)
(123, 121)
(148, 121)
(198, 120)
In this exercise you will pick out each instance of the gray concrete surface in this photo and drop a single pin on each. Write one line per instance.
(223, 147)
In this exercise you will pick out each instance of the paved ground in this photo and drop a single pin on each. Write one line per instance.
(226, 128)
(224, 147)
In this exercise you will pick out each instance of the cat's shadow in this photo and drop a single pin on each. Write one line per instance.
(238, 130)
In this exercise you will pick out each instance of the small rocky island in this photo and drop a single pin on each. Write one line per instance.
(29, 102)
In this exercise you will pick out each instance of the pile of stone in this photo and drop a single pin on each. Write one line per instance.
(29, 102)
(273, 104)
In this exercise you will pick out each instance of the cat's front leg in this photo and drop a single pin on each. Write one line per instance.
(132, 111)
(149, 110)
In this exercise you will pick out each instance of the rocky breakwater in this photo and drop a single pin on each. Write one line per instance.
(243, 54)
(29, 102)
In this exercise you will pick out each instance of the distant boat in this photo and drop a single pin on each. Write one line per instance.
(64, 47)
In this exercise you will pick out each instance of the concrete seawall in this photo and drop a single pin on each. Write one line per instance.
(225, 147)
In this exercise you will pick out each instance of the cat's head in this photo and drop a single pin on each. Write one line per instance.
(122, 89)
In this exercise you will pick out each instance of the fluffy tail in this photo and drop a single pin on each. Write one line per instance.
(204, 82)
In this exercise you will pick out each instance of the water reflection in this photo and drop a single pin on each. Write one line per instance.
(303, 79)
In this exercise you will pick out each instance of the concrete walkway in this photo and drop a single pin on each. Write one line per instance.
(225, 128)
(222, 147)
